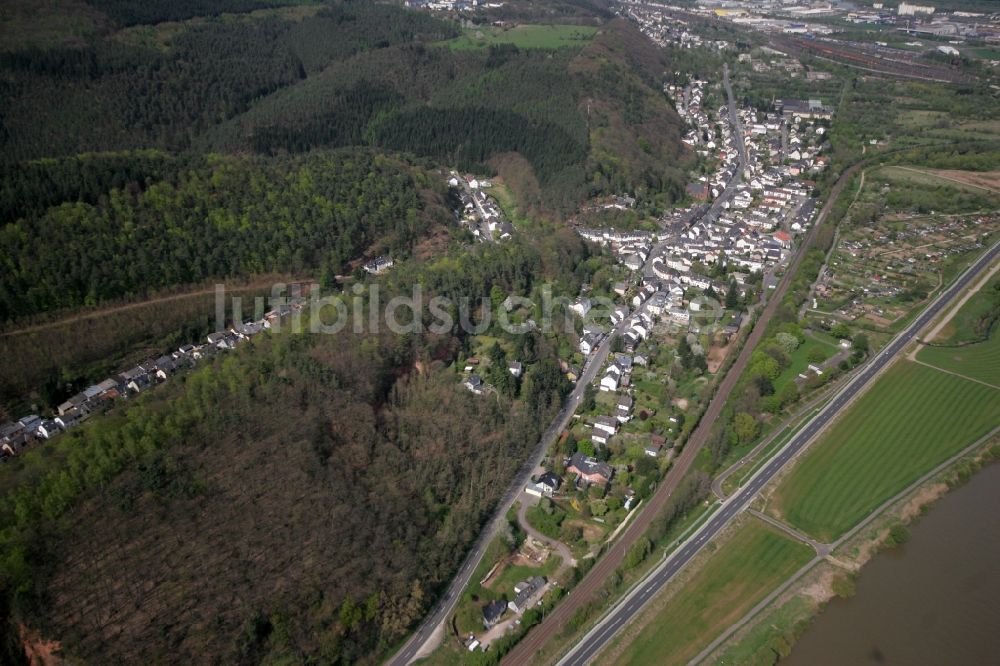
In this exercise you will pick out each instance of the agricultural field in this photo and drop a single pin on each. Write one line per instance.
(980, 360)
(912, 419)
(736, 577)
(976, 182)
(972, 345)
(976, 318)
(524, 36)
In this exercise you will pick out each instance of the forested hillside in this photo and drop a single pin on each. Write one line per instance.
(123, 92)
(229, 217)
(589, 119)
(303, 498)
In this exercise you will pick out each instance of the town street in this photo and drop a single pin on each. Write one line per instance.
(439, 616)
(587, 649)
(422, 641)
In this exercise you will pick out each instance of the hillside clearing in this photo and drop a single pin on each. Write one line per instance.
(526, 36)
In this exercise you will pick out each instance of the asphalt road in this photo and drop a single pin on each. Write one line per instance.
(585, 651)
(446, 605)
(595, 362)
(524, 652)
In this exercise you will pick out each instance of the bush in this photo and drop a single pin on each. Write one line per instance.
(844, 587)
(570, 534)
(639, 551)
(788, 342)
(898, 535)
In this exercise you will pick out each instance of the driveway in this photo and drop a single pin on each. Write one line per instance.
(562, 549)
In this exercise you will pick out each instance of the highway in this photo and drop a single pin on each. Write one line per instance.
(446, 605)
(589, 647)
(525, 651)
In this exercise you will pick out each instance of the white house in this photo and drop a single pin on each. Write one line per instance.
(606, 424)
(581, 306)
(609, 382)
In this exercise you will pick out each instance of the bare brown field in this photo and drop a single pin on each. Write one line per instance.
(987, 180)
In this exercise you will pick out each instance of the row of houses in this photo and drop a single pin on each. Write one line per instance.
(16, 436)
(668, 31)
(479, 212)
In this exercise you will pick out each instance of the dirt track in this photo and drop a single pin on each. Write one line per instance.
(124, 307)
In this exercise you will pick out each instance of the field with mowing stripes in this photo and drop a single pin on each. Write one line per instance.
(735, 578)
(980, 360)
(912, 419)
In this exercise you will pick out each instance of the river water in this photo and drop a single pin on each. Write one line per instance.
(935, 600)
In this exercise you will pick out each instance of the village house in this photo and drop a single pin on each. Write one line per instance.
(523, 593)
(379, 265)
(493, 612)
(589, 343)
(606, 424)
(581, 307)
(588, 469)
(475, 384)
(624, 409)
(48, 429)
(544, 486)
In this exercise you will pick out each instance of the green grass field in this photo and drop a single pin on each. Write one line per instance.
(525, 36)
(980, 360)
(762, 641)
(911, 420)
(961, 328)
(799, 360)
(744, 570)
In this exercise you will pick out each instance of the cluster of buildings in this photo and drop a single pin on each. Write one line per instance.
(474, 382)
(753, 230)
(452, 5)
(667, 30)
(98, 398)
(479, 212)
(709, 138)
(526, 593)
(914, 18)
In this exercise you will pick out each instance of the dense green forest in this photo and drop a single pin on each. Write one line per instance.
(281, 469)
(30, 188)
(231, 217)
(585, 121)
(120, 93)
(304, 498)
(589, 119)
(130, 12)
(310, 495)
